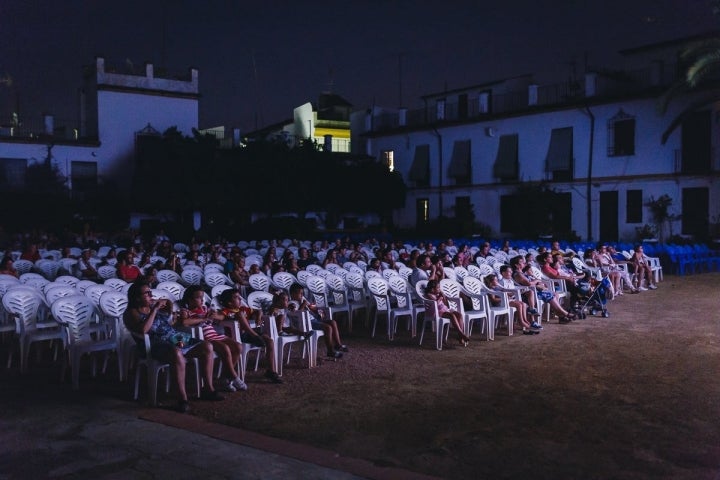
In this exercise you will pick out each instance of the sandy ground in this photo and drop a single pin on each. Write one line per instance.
(635, 395)
(632, 396)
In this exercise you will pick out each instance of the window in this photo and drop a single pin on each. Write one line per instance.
(621, 135)
(422, 211)
(420, 168)
(506, 161)
(559, 159)
(634, 206)
(388, 160)
(13, 172)
(460, 168)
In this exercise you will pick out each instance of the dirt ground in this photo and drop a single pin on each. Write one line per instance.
(635, 395)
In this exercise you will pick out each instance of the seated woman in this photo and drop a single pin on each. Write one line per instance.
(601, 260)
(607, 260)
(552, 267)
(126, 269)
(331, 337)
(432, 291)
(155, 318)
(492, 282)
(522, 276)
(233, 308)
(193, 312)
(642, 269)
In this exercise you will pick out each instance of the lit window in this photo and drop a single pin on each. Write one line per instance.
(388, 160)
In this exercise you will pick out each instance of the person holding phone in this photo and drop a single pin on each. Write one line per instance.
(146, 315)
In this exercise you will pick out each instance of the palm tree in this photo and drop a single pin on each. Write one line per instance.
(700, 62)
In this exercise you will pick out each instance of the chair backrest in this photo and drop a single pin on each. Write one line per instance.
(449, 273)
(37, 283)
(48, 268)
(168, 276)
(213, 267)
(405, 272)
(283, 280)
(475, 288)
(420, 289)
(175, 288)
(218, 289)
(399, 288)
(460, 273)
(23, 302)
(67, 279)
(316, 285)
(258, 299)
(191, 276)
(107, 271)
(259, 282)
(451, 291)
(113, 304)
(26, 277)
(213, 278)
(313, 269)
(378, 288)
(76, 312)
(337, 289)
(389, 272)
(93, 292)
(83, 284)
(116, 283)
(302, 277)
(372, 274)
(67, 265)
(23, 266)
(57, 291)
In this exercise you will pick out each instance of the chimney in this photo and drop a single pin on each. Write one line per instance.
(532, 95)
(484, 102)
(590, 84)
(49, 121)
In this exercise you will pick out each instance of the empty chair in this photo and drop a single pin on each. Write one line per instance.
(23, 266)
(475, 287)
(379, 291)
(23, 303)
(77, 313)
(83, 284)
(112, 306)
(404, 302)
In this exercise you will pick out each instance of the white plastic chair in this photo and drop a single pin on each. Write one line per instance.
(116, 283)
(23, 266)
(452, 291)
(379, 290)
(476, 288)
(284, 280)
(168, 276)
(440, 325)
(23, 303)
(404, 304)
(67, 279)
(76, 313)
(106, 272)
(112, 306)
(191, 276)
(259, 282)
(214, 278)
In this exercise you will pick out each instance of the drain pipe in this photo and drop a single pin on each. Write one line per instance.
(588, 191)
(440, 173)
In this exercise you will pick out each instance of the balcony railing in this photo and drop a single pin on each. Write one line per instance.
(607, 84)
(23, 128)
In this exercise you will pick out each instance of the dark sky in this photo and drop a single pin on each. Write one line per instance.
(260, 59)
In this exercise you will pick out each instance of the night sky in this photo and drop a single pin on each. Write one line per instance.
(260, 59)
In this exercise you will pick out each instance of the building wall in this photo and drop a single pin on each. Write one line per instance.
(652, 168)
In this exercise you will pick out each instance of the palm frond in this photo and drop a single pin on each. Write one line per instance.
(702, 67)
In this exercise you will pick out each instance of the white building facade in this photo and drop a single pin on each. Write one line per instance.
(114, 109)
(596, 142)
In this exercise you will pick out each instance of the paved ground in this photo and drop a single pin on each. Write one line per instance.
(49, 431)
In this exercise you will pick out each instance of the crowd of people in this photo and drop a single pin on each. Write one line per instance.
(139, 262)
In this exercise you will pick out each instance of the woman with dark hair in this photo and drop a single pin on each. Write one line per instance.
(126, 268)
(6, 266)
(155, 318)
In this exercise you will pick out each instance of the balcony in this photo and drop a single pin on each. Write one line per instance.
(38, 129)
(599, 85)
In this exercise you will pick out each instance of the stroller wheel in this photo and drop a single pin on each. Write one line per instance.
(605, 314)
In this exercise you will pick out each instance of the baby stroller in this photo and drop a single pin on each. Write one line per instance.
(600, 291)
(594, 293)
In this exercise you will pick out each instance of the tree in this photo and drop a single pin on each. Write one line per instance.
(700, 61)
